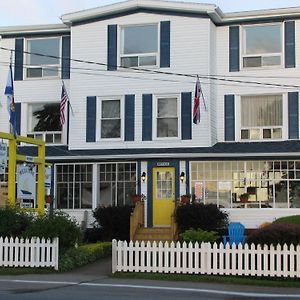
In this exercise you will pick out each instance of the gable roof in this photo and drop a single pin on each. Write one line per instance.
(181, 8)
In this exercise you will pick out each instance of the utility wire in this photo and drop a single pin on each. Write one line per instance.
(216, 78)
(95, 72)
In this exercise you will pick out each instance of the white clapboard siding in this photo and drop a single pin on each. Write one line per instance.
(206, 258)
(34, 252)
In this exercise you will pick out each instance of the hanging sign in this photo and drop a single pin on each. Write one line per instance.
(199, 190)
(26, 187)
(47, 178)
(3, 157)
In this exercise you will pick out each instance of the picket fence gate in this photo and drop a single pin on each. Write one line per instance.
(206, 258)
(33, 252)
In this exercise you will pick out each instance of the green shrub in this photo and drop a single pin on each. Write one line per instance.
(57, 225)
(93, 235)
(288, 220)
(276, 234)
(200, 216)
(13, 221)
(76, 257)
(199, 236)
(114, 221)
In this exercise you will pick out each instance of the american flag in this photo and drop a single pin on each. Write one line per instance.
(64, 99)
(196, 109)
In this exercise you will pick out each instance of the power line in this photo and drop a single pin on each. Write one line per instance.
(95, 72)
(208, 77)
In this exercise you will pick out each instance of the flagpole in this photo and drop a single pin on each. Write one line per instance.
(202, 93)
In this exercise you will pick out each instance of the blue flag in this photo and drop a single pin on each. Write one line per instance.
(9, 92)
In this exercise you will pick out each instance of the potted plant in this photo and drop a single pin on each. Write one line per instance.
(136, 198)
(244, 197)
(185, 199)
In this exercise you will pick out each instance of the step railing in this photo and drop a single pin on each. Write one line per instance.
(136, 219)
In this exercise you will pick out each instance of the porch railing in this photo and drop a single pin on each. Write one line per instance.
(136, 219)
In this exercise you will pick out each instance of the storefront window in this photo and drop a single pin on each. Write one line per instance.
(267, 184)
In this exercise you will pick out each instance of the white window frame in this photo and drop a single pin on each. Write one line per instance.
(284, 127)
(99, 113)
(243, 47)
(154, 116)
(121, 39)
(28, 66)
(41, 134)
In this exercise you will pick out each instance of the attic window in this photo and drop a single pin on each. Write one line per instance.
(139, 45)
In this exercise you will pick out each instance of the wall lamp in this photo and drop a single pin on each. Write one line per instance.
(182, 176)
(143, 177)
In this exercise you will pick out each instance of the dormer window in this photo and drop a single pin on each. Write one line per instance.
(139, 45)
(43, 57)
(262, 46)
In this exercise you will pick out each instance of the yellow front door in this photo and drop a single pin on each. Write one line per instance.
(163, 195)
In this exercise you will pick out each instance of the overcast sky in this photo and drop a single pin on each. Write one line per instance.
(32, 12)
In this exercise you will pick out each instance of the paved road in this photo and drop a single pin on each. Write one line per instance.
(91, 282)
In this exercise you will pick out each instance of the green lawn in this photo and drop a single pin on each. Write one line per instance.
(259, 281)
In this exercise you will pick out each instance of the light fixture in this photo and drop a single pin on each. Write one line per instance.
(182, 177)
(143, 177)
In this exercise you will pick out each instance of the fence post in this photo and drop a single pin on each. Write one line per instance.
(56, 252)
(114, 256)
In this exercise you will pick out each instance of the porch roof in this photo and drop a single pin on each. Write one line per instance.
(229, 150)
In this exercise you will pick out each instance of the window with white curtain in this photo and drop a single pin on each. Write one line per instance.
(110, 119)
(261, 117)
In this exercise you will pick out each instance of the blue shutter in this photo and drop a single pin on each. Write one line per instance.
(229, 126)
(19, 56)
(289, 39)
(91, 119)
(18, 117)
(293, 112)
(186, 116)
(112, 47)
(147, 117)
(165, 44)
(234, 48)
(66, 54)
(129, 117)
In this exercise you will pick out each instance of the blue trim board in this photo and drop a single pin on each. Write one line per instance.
(187, 176)
(139, 189)
(151, 165)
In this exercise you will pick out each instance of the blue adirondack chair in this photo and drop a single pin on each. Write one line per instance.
(235, 235)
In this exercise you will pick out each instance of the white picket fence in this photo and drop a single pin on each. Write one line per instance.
(34, 252)
(206, 258)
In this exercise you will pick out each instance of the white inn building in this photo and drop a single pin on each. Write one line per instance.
(130, 70)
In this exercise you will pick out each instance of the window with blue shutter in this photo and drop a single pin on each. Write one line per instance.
(289, 37)
(234, 48)
(66, 54)
(165, 44)
(129, 117)
(229, 114)
(19, 57)
(91, 108)
(112, 57)
(147, 118)
(186, 116)
(293, 113)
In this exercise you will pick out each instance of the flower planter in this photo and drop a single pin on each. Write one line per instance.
(136, 198)
(185, 199)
